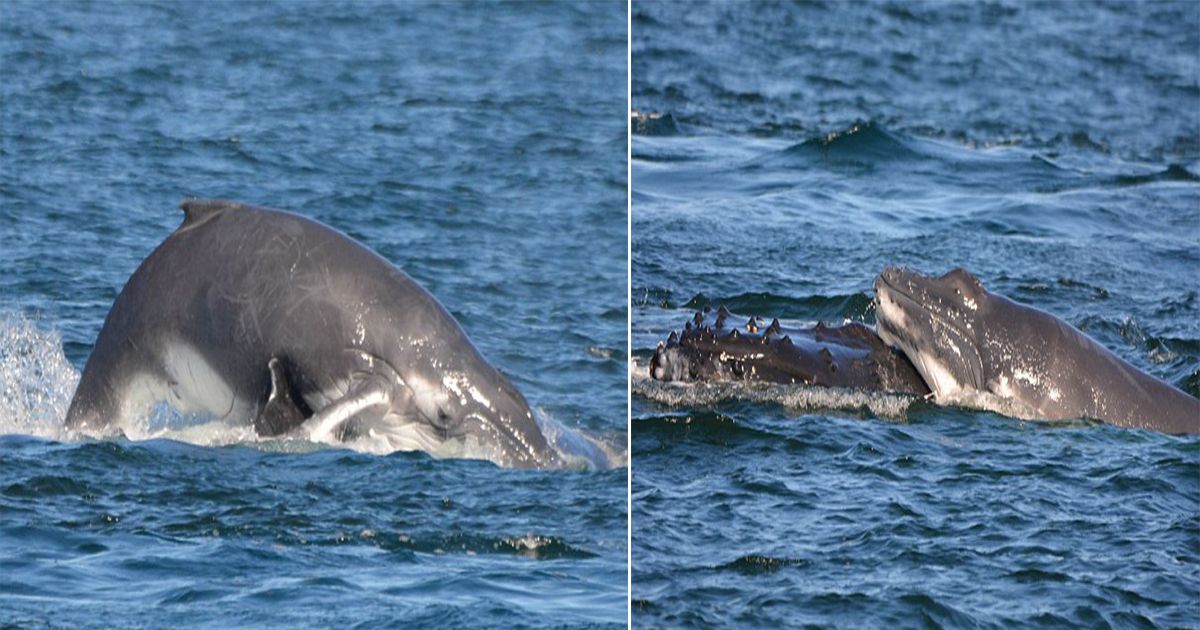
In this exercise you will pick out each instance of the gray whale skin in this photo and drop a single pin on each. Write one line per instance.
(965, 340)
(258, 315)
(957, 343)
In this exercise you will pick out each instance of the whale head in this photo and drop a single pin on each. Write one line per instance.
(484, 404)
(462, 398)
(935, 321)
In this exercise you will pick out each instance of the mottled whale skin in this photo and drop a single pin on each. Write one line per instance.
(966, 341)
(258, 315)
(712, 347)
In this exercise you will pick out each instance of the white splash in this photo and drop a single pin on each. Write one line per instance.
(36, 380)
(579, 449)
(797, 397)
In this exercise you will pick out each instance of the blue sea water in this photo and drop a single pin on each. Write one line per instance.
(1051, 148)
(481, 148)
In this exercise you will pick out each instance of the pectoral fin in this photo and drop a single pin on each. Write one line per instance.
(281, 413)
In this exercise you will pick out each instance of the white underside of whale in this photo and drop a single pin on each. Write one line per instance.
(192, 387)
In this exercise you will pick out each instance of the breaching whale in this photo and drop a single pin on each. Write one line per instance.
(711, 347)
(967, 342)
(264, 316)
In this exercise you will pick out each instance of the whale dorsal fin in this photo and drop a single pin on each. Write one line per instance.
(197, 211)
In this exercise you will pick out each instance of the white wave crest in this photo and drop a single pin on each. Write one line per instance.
(36, 380)
(799, 397)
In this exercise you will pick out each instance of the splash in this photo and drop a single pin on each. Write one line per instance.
(579, 449)
(36, 380)
(799, 397)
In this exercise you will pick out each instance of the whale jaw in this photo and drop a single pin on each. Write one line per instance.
(934, 322)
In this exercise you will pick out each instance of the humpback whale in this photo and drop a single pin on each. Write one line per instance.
(947, 338)
(258, 315)
(712, 348)
(968, 342)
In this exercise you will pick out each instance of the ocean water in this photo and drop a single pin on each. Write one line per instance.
(798, 149)
(481, 148)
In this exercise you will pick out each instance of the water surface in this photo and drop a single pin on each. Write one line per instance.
(472, 146)
(1052, 149)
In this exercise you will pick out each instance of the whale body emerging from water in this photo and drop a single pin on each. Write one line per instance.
(967, 342)
(958, 344)
(716, 346)
(257, 315)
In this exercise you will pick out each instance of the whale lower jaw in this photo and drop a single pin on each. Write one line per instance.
(892, 326)
(395, 432)
(941, 382)
(153, 407)
(948, 390)
(945, 388)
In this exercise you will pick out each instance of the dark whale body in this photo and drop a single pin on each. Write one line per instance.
(968, 343)
(955, 342)
(264, 316)
(712, 347)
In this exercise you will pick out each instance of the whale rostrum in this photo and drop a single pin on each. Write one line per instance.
(717, 345)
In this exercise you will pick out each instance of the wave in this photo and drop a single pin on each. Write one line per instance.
(856, 306)
(758, 564)
(828, 308)
(868, 147)
(863, 142)
(653, 124)
(796, 397)
(1173, 173)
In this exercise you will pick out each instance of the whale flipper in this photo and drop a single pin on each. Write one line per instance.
(281, 413)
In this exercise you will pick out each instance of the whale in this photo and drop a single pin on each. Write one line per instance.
(714, 346)
(974, 347)
(264, 317)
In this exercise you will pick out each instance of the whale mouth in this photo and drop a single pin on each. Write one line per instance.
(931, 330)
